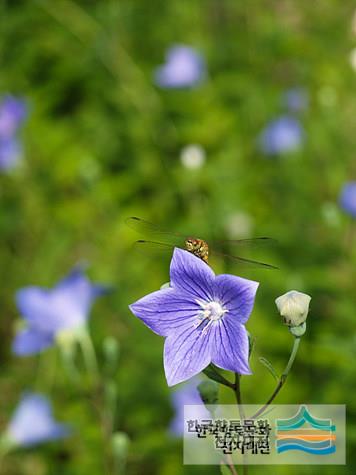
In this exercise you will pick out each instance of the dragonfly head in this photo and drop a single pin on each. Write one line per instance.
(198, 247)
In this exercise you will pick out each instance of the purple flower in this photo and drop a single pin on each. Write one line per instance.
(13, 112)
(184, 67)
(296, 99)
(348, 198)
(202, 317)
(282, 135)
(10, 153)
(187, 394)
(48, 313)
(33, 422)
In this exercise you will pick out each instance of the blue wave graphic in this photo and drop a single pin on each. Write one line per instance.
(304, 443)
(325, 451)
(300, 418)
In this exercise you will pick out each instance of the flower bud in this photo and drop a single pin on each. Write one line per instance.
(120, 445)
(294, 307)
(208, 391)
(111, 352)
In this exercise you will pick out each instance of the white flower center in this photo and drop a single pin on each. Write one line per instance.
(210, 312)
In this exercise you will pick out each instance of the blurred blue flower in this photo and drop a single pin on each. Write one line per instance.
(184, 67)
(10, 153)
(348, 198)
(50, 313)
(187, 394)
(202, 316)
(13, 112)
(33, 422)
(296, 99)
(282, 135)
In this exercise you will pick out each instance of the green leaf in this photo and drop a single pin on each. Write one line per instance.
(269, 366)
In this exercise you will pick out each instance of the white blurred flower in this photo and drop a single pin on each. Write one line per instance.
(193, 156)
(352, 59)
(293, 307)
(239, 225)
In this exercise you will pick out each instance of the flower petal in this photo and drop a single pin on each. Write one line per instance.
(49, 311)
(66, 306)
(33, 422)
(184, 67)
(187, 394)
(237, 295)
(230, 346)
(77, 289)
(33, 305)
(30, 341)
(166, 310)
(186, 352)
(191, 275)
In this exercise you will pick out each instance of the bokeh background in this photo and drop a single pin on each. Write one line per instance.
(104, 140)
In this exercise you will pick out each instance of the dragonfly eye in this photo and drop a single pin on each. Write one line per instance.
(189, 244)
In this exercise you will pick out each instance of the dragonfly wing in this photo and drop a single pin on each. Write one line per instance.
(152, 247)
(252, 242)
(141, 225)
(244, 261)
(146, 228)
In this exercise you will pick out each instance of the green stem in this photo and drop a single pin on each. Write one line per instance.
(242, 416)
(214, 374)
(67, 353)
(230, 465)
(89, 354)
(282, 379)
(6, 445)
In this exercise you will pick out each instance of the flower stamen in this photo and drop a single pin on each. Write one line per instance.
(210, 312)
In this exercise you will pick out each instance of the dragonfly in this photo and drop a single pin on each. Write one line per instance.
(199, 247)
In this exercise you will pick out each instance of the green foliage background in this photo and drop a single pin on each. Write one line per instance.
(103, 143)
